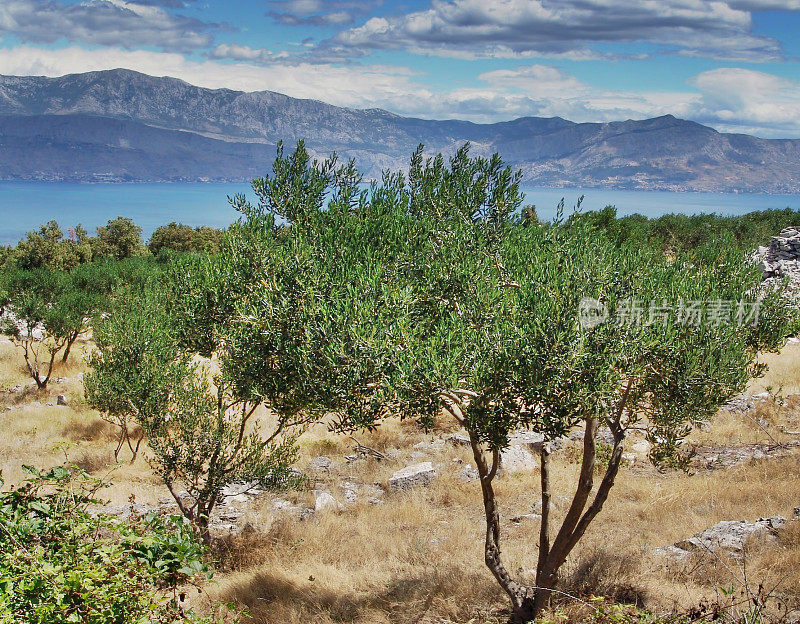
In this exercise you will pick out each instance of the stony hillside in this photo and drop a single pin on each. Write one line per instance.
(52, 119)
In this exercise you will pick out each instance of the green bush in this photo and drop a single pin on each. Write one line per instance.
(61, 564)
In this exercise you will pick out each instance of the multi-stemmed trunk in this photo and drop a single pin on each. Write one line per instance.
(528, 601)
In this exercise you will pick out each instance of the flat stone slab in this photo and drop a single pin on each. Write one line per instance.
(413, 476)
(517, 458)
(728, 536)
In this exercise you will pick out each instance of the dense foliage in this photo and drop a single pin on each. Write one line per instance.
(431, 294)
(46, 310)
(61, 564)
(685, 233)
(48, 247)
(426, 294)
(176, 237)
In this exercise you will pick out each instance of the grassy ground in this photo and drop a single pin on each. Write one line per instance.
(417, 558)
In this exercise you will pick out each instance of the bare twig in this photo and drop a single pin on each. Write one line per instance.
(366, 450)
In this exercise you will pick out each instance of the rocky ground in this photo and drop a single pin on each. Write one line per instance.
(389, 528)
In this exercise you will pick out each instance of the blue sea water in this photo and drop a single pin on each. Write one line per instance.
(26, 205)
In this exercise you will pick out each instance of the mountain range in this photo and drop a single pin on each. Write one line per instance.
(121, 125)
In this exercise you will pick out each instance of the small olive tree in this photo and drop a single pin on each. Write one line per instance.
(38, 317)
(162, 365)
(427, 296)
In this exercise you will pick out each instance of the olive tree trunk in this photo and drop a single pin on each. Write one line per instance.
(527, 602)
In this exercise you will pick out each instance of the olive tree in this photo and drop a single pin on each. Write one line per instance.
(428, 296)
(37, 317)
(48, 247)
(120, 238)
(164, 374)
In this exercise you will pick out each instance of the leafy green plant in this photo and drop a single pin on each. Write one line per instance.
(61, 564)
(197, 415)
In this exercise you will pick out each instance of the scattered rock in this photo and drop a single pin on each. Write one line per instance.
(781, 260)
(458, 439)
(531, 439)
(468, 473)
(352, 491)
(320, 464)
(715, 457)
(642, 447)
(672, 552)
(517, 458)
(241, 492)
(124, 512)
(728, 536)
(413, 476)
(430, 447)
(604, 435)
(741, 404)
(324, 500)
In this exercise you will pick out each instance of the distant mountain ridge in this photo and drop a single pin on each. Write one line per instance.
(123, 125)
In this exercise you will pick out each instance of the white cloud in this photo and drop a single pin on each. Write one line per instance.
(524, 28)
(729, 99)
(102, 22)
(765, 5)
(354, 86)
(743, 100)
(319, 12)
(237, 52)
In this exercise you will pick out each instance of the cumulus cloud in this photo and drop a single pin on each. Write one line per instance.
(733, 100)
(104, 22)
(525, 28)
(743, 100)
(765, 5)
(360, 87)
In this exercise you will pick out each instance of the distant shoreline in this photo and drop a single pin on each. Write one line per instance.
(525, 185)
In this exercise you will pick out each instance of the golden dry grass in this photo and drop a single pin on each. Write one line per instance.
(783, 375)
(417, 558)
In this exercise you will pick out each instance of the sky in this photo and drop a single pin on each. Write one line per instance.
(730, 64)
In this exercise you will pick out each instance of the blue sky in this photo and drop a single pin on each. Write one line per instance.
(731, 64)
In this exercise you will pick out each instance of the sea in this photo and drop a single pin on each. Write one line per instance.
(26, 205)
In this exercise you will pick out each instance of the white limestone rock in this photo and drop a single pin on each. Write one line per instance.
(413, 476)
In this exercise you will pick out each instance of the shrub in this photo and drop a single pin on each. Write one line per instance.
(61, 564)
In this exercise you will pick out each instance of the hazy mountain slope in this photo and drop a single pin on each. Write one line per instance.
(661, 153)
(87, 148)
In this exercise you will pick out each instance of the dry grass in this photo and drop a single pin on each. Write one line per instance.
(783, 375)
(417, 558)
